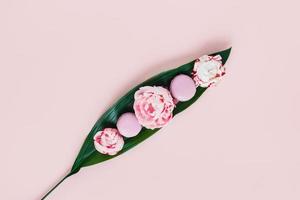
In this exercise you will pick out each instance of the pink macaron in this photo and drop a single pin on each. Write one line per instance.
(128, 125)
(183, 87)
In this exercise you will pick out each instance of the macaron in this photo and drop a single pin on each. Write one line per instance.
(182, 87)
(128, 125)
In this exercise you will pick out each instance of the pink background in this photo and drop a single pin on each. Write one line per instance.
(64, 62)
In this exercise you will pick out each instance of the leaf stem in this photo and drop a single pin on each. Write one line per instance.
(62, 180)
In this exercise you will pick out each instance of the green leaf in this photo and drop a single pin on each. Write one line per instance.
(88, 154)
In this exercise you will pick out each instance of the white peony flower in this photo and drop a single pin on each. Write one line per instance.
(208, 70)
(108, 141)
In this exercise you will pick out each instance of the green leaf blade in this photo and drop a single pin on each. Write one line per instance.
(88, 154)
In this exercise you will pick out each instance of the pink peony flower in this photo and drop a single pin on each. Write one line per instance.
(208, 70)
(153, 106)
(108, 141)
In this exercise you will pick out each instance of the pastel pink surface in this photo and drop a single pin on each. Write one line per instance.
(128, 125)
(183, 87)
(63, 63)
